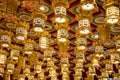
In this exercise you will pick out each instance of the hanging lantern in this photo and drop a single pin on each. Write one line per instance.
(114, 56)
(5, 38)
(3, 56)
(10, 66)
(38, 21)
(92, 71)
(84, 26)
(81, 43)
(60, 10)
(15, 52)
(99, 51)
(44, 40)
(38, 67)
(105, 75)
(21, 31)
(79, 65)
(28, 46)
(26, 70)
(2, 70)
(78, 74)
(80, 56)
(50, 64)
(52, 73)
(83, 19)
(62, 32)
(64, 69)
(95, 62)
(112, 11)
(48, 54)
(41, 75)
(64, 61)
(108, 67)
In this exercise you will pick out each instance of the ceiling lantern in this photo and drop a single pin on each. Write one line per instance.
(3, 56)
(114, 56)
(10, 66)
(62, 32)
(84, 27)
(104, 74)
(38, 21)
(28, 46)
(44, 40)
(60, 7)
(15, 52)
(108, 66)
(38, 67)
(21, 31)
(81, 42)
(112, 11)
(2, 70)
(88, 5)
(99, 49)
(5, 38)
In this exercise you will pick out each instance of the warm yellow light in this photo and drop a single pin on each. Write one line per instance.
(60, 19)
(88, 6)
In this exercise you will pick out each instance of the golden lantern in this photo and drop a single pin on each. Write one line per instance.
(114, 56)
(79, 66)
(44, 40)
(95, 61)
(3, 56)
(88, 5)
(28, 46)
(81, 42)
(41, 75)
(78, 74)
(92, 70)
(84, 27)
(80, 56)
(15, 52)
(50, 65)
(105, 75)
(108, 66)
(112, 11)
(48, 54)
(5, 38)
(39, 21)
(60, 7)
(26, 70)
(52, 73)
(62, 32)
(2, 70)
(99, 49)
(21, 31)
(10, 66)
(38, 67)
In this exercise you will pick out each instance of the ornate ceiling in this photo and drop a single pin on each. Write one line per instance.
(72, 11)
